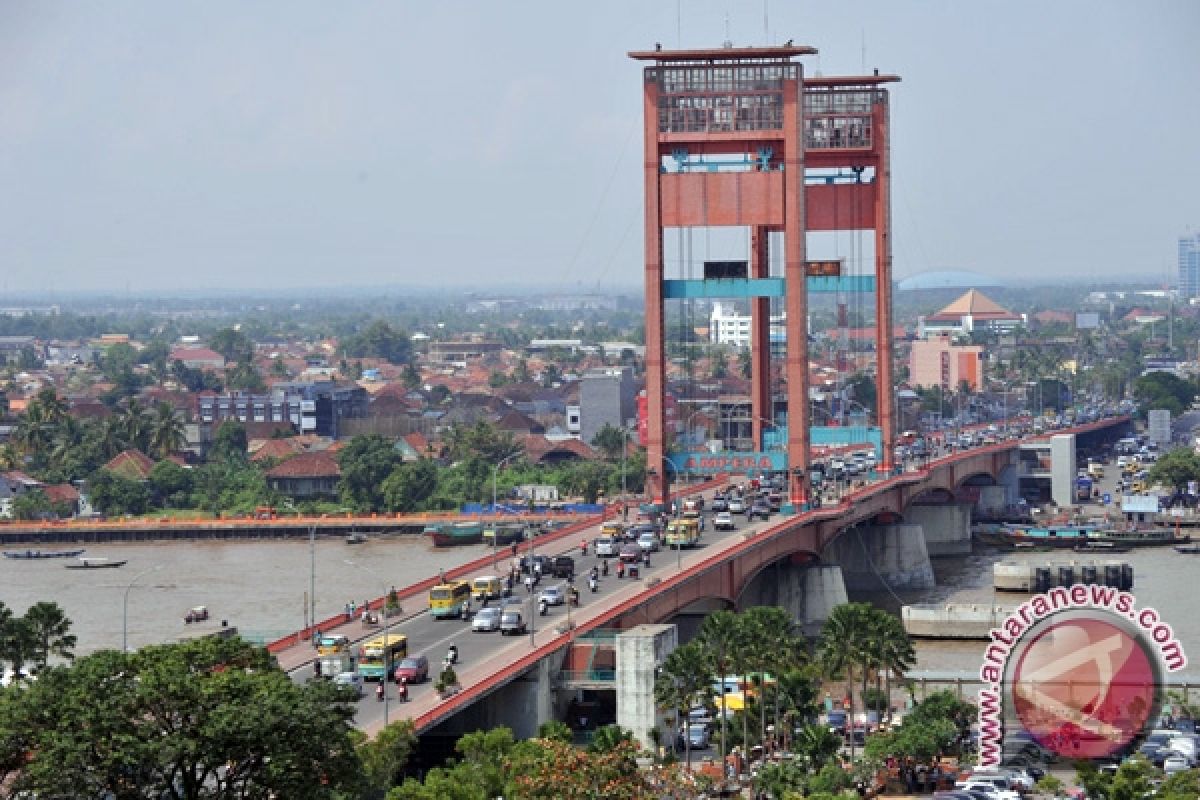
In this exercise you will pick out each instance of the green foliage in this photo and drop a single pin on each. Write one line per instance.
(366, 463)
(610, 441)
(830, 778)
(114, 495)
(229, 442)
(608, 738)
(171, 484)
(244, 376)
(1176, 468)
(379, 340)
(555, 729)
(36, 505)
(230, 486)
(385, 757)
(167, 718)
(1049, 784)
(410, 486)
(1163, 390)
(43, 632)
(233, 344)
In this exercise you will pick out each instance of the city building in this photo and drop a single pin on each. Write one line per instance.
(937, 361)
(318, 407)
(972, 311)
(197, 357)
(728, 325)
(607, 396)
(1189, 265)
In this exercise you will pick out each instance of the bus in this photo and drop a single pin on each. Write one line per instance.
(330, 643)
(377, 657)
(450, 599)
(683, 532)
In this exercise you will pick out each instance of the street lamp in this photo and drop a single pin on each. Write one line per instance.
(495, 530)
(387, 629)
(125, 606)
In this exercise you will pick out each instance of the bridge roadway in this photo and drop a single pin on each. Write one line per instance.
(674, 579)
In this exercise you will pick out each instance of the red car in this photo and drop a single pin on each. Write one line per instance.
(414, 669)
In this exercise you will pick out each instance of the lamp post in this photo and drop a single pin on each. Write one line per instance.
(125, 606)
(495, 531)
(387, 629)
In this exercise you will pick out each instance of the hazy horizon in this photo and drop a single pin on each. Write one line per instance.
(212, 147)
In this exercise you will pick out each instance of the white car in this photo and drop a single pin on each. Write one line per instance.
(606, 546)
(486, 619)
(350, 679)
(1176, 763)
(990, 789)
(648, 542)
(737, 505)
(553, 596)
(723, 521)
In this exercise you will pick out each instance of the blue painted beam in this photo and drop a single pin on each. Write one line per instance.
(676, 289)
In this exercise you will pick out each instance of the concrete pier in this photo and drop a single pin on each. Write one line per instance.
(947, 527)
(640, 651)
(882, 556)
(809, 592)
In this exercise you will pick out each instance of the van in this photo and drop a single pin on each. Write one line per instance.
(562, 567)
(448, 600)
(486, 587)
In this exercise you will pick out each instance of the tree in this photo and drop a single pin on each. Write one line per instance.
(233, 345)
(816, 745)
(409, 486)
(684, 681)
(1176, 469)
(114, 494)
(229, 442)
(366, 462)
(722, 637)
(385, 757)
(36, 505)
(49, 634)
(608, 738)
(171, 483)
(212, 717)
(166, 430)
(1163, 390)
(134, 424)
(842, 645)
(118, 359)
(244, 375)
(610, 441)
(379, 340)
(411, 376)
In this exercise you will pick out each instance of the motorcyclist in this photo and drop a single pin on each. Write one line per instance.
(402, 688)
(583, 547)
(592, 583)
(604, 567)
(379, 690)
(542, 607)
(620, 569)
(573, 594)
(595, 572)
(452, 654)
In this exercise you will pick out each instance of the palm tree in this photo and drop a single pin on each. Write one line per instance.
(816, 744)
(133, 424)
(773, 647)
(842, 646)
(48, 633)
(895, 649)
(166, 430)
(721, 635)
(683, 681)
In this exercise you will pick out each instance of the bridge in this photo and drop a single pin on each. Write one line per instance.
(882, 531)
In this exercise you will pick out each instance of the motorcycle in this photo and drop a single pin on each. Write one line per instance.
(379, 691)
(604, 568)
(402, 691)
(592, 584)
(583, 547)
(573, 595)
(542, 608)
(452, 655)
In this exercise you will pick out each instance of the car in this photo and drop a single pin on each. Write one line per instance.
(562, 567)
(414, 669)
(723, 521)
(486, 620)
(759, 509)
(736, 505)
(720, 504)
(1176, 763)
(605, 546)
(698, 736)
(511, 622)
(631, 553)
(553, 595)
(991, 789)
(350, 680)
(528, 562)
(648, 542)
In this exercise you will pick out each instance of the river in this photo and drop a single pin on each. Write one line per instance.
(259, 586)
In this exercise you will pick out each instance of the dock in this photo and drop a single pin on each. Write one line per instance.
(953, 620)
(1018, 576)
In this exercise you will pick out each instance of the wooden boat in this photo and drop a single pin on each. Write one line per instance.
(196, 614)
(1050, 536)
(356, 537)
(97, 563)
(456, 534)
(1155, 537)
(43, 553)
(1188, 549)
(1101, 547)
(508, 533)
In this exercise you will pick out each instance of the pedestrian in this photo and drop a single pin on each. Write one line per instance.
(441, 576)
(514, 549)
(529, 584)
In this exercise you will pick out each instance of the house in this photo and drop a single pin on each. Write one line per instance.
(307, 476)
(15, 483)
(63, 494)
(973, 310)
(274, 449)
(197, 357)
(132, 464)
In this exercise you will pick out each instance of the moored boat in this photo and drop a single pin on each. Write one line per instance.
(1188, 549)
(503, 534)
(356, 537)
(457, 534)
(43, 553)
(97, 563)
(1155, 537)
(1049, 536)
(1101, 547)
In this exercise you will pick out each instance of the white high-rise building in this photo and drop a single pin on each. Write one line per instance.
(726, 325)
(1189, 266)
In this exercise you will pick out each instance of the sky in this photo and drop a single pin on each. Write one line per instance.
(150, 146)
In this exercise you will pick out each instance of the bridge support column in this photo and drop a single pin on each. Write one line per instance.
(877, 556)
(640, 651)
(807, 592)
(522, 705)
(947, 528)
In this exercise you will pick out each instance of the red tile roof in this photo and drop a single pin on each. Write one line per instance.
(132, 464)
(61, 493)
(277, 449)
(319, 464)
